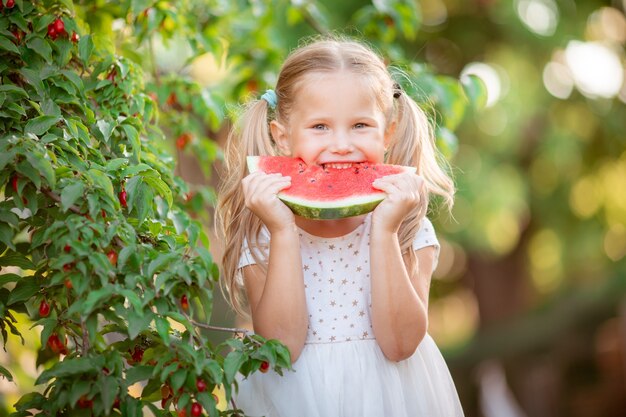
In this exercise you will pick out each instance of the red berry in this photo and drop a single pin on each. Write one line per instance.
(10, 4)
(52, 32)
(18, 36)
(44, 309)
(75, 38)
(166, 391)
(83, 402)
(182, 413)
(59, 26)
(112, 255)
(196, 410)
(116, 403)
(14, 183)
(265, 366)
(55, 344)
(137, 354)
(183, 140)
(252, 86)
(68, 267)
(172, 100)
(122, 197)
(68, 284)
(67, 248)
(200, 385)
(184, 302)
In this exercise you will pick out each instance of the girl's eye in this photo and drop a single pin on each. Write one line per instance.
(319, 126)
(360, 125)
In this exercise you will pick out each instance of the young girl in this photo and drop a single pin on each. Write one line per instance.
(348, 297)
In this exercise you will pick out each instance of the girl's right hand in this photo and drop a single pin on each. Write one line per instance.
(260, 191)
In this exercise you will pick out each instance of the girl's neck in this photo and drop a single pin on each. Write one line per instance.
(329, 228)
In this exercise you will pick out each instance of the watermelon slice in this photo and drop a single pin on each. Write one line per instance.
(318, 192)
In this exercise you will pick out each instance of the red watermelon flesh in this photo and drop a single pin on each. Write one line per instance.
(323, 192)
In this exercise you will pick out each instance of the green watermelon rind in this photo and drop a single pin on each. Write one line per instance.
(327, 210)
(332, 210)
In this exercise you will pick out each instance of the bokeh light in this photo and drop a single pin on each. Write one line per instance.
(607, 24)
(489, 75)
(540, 16)
(596, 68)
(545, 252)
(558, 80)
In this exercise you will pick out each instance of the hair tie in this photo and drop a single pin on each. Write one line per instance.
(271, 98)
(397, 90)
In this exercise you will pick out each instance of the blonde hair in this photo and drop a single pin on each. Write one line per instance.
(412, 144)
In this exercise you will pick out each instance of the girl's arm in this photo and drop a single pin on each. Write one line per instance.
(399, 298)
(276, 298)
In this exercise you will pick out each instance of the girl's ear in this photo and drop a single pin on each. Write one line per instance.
(279, 134)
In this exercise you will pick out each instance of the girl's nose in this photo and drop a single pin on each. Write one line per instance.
(342, 144)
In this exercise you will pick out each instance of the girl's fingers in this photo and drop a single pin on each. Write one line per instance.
(260, 190)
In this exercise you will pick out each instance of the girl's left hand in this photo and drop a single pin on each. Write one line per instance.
(405, 192)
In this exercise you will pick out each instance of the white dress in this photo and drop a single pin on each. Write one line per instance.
(341, 371)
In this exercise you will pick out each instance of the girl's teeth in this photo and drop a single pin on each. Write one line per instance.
(339, 166)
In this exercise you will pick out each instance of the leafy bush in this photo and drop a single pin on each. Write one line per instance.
(97, 245)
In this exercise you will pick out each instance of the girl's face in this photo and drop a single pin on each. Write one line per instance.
(335, 121)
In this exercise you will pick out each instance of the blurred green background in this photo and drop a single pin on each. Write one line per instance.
(528, 303)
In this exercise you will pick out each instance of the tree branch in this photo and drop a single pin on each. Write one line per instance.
(219, 329)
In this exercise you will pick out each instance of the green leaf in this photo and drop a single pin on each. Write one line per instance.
(133, 299)
(114, 165)
(161, 261)
(447, 142)
(69, 367)
(32, 400)
(232, 363)
(163, 328)
(85, 48)
(16, 259)
(178, 379)
(43, 165)
(6, 278)
(74, 79)
(14, 107)
(41, 47)
(208, 402)
(14, 90)
(106, 128)
(101, 180)
(8, 45)
(77, 391)
(138, 322)
(40, 125)
(475, 90)
(95, 298)
(7, 235)
(6, 374)
(70, 194)
(26, 169)
(138, 373)
(132, 135)
(160, 187)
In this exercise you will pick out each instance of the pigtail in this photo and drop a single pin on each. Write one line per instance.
(234, 223)
(413, 144)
